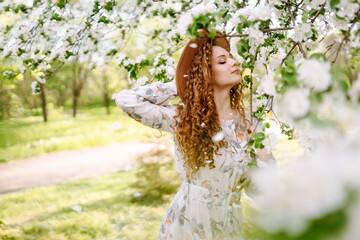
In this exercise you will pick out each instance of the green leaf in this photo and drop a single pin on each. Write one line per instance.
(259, 135)
(258, 144)
(342, 76)
(20, 51)
(333, 3)
(318, 56)
(104, 20)
(132, 75)
(212, 33)
(96, 7)
(112, 52)
(61, 4)
(108, 6)
(192, 31)
(68, 54)
(315, 33)
(56, 17)
(203, 20)
(313, 12)
(258, 114)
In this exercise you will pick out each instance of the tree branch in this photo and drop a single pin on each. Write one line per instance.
(287, 55)
(302, 50)
(346, 35)
(251, 86)
(318, 12)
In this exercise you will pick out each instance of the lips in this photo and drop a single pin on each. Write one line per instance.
(236, 71)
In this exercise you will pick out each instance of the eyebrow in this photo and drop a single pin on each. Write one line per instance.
(223, 55)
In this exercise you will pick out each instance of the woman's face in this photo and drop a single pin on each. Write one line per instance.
(224, 69)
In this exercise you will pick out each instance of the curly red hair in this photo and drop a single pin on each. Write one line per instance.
(198, 117)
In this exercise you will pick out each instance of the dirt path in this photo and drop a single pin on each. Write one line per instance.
(68, 166)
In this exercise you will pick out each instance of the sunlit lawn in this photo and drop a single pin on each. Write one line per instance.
(106, 209)
(96, 208)
(27, 137)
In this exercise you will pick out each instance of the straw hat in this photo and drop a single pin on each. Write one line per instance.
(188, 54)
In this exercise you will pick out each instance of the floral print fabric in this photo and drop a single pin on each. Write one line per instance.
(208, 205)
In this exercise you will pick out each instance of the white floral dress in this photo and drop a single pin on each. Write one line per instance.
(206, 206)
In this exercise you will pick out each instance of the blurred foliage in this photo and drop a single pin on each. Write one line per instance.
(326, 227)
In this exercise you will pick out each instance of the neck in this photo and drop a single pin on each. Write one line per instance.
(222, 101)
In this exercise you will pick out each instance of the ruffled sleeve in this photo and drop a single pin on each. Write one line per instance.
(150, 104)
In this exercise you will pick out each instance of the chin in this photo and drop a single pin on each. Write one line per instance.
(236, 82)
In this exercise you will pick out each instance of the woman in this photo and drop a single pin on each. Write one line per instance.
(208, 128)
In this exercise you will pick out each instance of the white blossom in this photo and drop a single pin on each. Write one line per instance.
(296, 103)
(140, 58)
(177, 6)
(267, 85)
(302, 32)
(34, 85)
(184, 21)
(41, 79)
(152, 71)
(128, 62)
(260, 13)
(140, 81)
(325, 176)
(256, 36)
(119, 58)
(203, 8)
(270, 142)
(233, 49)
(308, 138)
(347, 9)
(170, 71)
(314, 74)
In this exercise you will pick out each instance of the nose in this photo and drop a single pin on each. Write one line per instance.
(235, 63)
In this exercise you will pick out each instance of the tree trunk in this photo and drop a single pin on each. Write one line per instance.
(107, 105)
(106, 92)
(43, 101)
(76, 96)
(79, 80)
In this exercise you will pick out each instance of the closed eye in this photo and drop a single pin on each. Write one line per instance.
(230, 56)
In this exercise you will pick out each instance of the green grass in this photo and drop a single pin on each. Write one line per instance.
(28, 137)
(107, 212)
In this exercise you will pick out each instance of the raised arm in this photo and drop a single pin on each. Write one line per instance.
(150, 104)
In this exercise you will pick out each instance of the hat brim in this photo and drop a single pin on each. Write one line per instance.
(187, 56)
